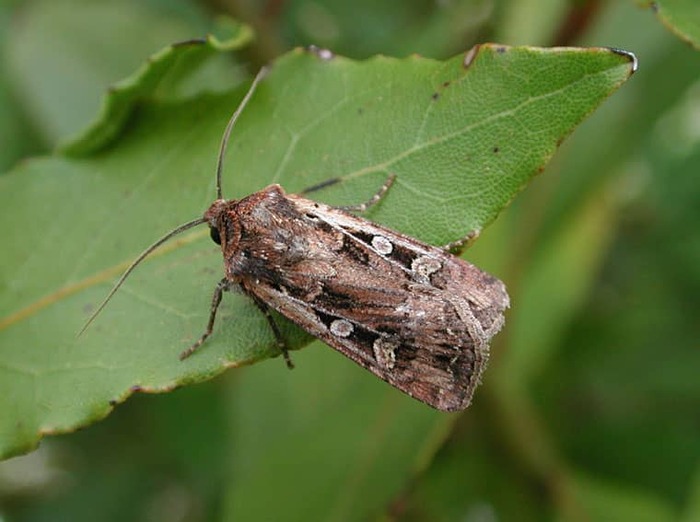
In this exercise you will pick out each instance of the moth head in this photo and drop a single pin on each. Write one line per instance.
(214, 217)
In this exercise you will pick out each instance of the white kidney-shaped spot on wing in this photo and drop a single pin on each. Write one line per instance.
(341, 328)
(385, 352)
(382, 245)
(425, 266)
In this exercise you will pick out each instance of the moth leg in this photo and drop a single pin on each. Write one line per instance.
(221, 286)
(322, 185)
(355, 208)
(275, 330)
(457, 247)
(374, 199)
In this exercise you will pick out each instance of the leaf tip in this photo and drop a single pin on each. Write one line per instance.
(629, 55)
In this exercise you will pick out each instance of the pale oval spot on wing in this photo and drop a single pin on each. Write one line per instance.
(341, 328)
(385, 352)
(425, 266)
(382, 245)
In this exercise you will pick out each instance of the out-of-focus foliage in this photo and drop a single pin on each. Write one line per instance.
(590, 409)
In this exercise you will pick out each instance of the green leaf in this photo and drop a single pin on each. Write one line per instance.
(463, 137)
(159, 79)
(62, 55)
(682, 17)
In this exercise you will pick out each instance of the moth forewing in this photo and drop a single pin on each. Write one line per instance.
(414, 315)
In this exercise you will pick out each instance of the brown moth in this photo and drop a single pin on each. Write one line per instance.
(413, 314)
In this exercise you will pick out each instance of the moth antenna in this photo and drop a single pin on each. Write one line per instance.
(229, 127)
(136, 262)
(219, 167)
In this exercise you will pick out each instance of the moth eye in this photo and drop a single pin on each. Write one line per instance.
(215, 237)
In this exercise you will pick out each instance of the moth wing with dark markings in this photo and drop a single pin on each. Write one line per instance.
(415, 316)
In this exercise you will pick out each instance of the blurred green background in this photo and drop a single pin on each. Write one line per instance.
(591, 407)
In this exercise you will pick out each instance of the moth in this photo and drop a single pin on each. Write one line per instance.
(413, 314)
